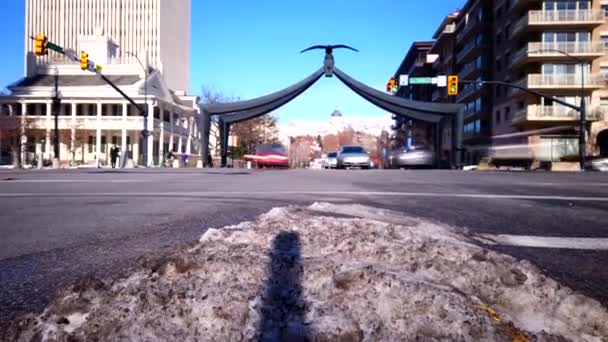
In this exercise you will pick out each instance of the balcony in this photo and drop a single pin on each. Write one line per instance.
(562, 81)
(472, 70)
(468, 50)
(540, 19)
(539, 113)
(521, 4)
(468, 92)
(545, 52)
(468, 29)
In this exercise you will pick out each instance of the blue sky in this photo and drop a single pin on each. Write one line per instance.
(250, 48)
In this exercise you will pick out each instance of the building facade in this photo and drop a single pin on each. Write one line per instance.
(555, 47)
(416, 63)
(158, 29)
(92, 116)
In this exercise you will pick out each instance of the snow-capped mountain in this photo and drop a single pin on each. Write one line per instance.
(337, 123)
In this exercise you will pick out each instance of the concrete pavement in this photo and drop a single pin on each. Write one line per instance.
(59, 227)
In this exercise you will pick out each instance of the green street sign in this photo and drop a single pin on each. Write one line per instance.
(55, 47)
(421, 80)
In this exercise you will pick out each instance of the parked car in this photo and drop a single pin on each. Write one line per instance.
(415, 156)
(331, 162)
(352, 156)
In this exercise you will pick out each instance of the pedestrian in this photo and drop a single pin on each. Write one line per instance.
(114, 155)
(169, 159)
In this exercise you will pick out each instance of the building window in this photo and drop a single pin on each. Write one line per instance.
(604, 102)
(604, 41)
(605, 10)
(498, 117)
(556, 148)
(91, 143)
(520, 105)
(103, 144)
(498, 65)
(507, 113)
(115, 140)
(604, 71)
(6, 111)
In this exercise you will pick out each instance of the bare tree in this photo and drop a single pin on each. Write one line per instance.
(12, 128)
(80, 139)
(212, 96)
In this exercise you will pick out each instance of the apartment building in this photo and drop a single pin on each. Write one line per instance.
(555, 47)
(416, 63)
(445, 64)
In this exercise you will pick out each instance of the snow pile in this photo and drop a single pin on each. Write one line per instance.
(326, 272)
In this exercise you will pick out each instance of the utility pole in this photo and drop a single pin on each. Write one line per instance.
(56, 110)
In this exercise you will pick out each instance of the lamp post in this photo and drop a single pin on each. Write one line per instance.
(145, 133)
(582, 139)
(56, 108)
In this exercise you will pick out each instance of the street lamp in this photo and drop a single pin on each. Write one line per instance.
(582, 147)
(56, 98)
(145, 133)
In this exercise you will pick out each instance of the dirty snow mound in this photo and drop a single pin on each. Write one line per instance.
(298, 273)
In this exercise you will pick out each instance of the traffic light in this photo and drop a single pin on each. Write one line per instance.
(84, 60)
(391, 85)
(452, 85)
(41, 46)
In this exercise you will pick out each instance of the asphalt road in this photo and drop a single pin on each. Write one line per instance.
(59, 227)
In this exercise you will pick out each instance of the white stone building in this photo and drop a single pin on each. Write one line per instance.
(93, 116)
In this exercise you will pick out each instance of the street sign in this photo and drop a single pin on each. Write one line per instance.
(403, 80)
(421, 80)
(442, 81)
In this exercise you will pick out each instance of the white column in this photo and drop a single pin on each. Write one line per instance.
(98, 136)
(48, 130)
(72, 153)
(135, 140)
(150, 141)
(161, 142)
(123, 139)
(189, 141)
(172, 123)
(179, 139)
(21, 145)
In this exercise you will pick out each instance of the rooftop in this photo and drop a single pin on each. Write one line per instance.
(74, 80)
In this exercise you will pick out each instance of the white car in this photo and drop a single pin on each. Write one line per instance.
(353, 156)
(331, 161)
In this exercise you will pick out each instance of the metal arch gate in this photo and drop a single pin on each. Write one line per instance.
(231, 113)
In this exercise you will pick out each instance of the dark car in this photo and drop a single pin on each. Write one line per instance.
(414, 156)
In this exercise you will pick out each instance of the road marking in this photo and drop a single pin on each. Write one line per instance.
(73, 180)
(545, 241)
(254, 193)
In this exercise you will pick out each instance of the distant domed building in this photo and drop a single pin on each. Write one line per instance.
(336, 123)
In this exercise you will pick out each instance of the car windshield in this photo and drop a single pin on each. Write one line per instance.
(332, 155)
(353, 149)
(271, 148)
